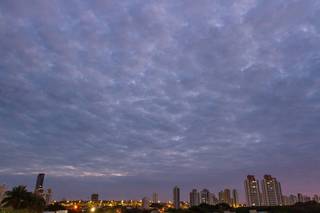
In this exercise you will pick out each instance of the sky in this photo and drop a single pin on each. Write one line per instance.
(126, 98)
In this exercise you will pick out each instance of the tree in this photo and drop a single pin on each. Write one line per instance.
(16, 198)
(20, 198)
(55, 207)
(35, 203)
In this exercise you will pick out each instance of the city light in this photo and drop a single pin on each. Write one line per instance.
(93, 209)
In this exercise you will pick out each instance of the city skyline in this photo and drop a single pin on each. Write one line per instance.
(268, 192)
(127, 98)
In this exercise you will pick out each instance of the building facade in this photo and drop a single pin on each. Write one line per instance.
(227, 196)
(194, 197)
(316, 198)
(145, 203)
(155, 197)
(235, 198)
(205, 196)
(300, 198)
(213, 199)
(293, 199)
(271, 191)
(48, 196)
(220, 197)
(39, 190)
(252, 190)
(95, 197)
(176, 197)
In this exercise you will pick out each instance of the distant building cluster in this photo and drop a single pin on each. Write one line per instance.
(269, 193)
(264, 192)
(206, 197)
(292, 199)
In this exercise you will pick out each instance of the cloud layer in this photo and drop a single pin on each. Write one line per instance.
(196, 93)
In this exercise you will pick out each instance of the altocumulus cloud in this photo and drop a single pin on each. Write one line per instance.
(158, 93)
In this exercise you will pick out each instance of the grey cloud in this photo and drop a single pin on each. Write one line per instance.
(162, 92)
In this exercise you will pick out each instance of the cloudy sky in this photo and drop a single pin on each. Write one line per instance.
(129, 97)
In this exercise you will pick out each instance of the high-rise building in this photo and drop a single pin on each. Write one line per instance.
(316, 198)
(220, 196)
(285, 200)
(176, 197)
(227, 196)
(251, 186)
(39, 185)
(235, 198)
(205, 196)
(293, 199)
(145, 203)
(95, 197)
(306, 198)
(48, 196)
(300, 198)
(194, 198)
(155, 197)
(213, 199)
(271, 191)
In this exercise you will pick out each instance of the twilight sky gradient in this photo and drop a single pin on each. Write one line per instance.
(125, 98)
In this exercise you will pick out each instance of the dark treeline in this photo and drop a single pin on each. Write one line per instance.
(308, 207)
(20, 199)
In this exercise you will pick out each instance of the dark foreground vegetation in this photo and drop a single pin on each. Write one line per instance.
(19, 199)
(309, 207)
